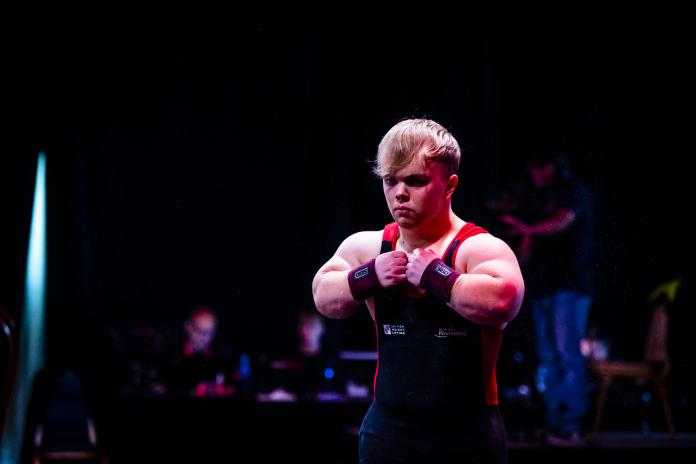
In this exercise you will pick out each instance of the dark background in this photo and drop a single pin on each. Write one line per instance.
(200, 153)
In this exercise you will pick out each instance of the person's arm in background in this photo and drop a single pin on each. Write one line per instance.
(559, 221)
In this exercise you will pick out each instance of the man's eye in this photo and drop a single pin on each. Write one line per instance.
(389, 180)
(417, 181)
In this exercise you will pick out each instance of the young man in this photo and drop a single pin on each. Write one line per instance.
(440, 291)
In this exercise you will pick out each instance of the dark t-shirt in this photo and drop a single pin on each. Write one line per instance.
(562, 261)
(188, 369)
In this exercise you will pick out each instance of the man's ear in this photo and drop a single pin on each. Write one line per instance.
(452, 183)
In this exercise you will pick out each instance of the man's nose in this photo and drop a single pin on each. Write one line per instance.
(401, 191)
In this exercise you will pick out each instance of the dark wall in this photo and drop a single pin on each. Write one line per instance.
(218, 155)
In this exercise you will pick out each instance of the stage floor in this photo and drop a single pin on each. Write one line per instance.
(609, 447)
(223, 430)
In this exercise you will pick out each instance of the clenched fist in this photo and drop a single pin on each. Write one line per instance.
(391, 268)
(417, 263)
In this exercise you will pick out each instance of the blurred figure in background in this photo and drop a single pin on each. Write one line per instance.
(201, 329)
(554, 226)
(203, 366)
(298, 373)
(310, 331)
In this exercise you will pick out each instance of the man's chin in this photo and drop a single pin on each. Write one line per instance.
(405, 223)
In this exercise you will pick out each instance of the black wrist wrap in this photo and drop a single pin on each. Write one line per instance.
(363, 281)
(438, 279)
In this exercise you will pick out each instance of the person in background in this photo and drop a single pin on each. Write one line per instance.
(554, 228)
(310, 330)
(200, 328)
(203, 367)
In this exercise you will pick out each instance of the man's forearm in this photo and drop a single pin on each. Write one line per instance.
(332, 295)
(484, 299)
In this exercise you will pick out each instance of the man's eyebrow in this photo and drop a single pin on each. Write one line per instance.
(417, 176)
(421, 175)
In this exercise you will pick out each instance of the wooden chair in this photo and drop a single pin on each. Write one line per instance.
(653, 369)
(8, 361)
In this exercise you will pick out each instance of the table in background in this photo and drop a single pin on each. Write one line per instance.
(176, 429)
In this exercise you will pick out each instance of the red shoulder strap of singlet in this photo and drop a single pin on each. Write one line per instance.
(391, 232)
(468, 230)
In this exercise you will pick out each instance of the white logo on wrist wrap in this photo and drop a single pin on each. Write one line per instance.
(442, 270)
(361, 273)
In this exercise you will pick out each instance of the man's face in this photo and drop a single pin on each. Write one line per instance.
(418, 192)
(201, 331)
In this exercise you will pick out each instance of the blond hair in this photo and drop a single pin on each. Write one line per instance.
(416, 139)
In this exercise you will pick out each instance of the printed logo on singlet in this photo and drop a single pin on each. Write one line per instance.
(444, 333)
(394, 329)
(361, 273)
(442, 270)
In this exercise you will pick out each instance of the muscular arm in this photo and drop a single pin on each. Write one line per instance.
(491, 288)
(332, 295)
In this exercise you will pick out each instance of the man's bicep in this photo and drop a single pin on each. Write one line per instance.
(350, 253)
(336, 263)
(490, 255)
(357, 249)
(503, 267)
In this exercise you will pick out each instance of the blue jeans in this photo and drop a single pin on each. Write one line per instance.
(560, 320)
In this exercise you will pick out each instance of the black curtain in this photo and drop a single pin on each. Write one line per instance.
(199, 153)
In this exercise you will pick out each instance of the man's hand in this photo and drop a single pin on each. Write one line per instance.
(391, 268)
(417, 263)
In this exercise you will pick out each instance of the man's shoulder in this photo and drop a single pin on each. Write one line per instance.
(366, 235)
(488, 250)
(361, 246)
(479, 238)
(365, 238)
(484, 243)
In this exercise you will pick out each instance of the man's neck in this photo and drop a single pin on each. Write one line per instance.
(428, 234)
